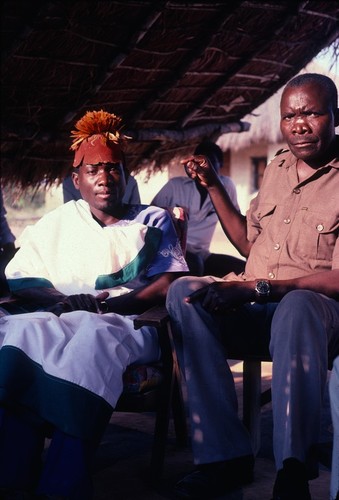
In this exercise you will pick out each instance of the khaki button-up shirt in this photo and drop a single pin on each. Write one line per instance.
(294, 225)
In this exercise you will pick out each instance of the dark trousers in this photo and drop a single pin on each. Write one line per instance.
(65, 471)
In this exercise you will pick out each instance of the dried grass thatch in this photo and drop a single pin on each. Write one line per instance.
(177, 72)
(265, 120)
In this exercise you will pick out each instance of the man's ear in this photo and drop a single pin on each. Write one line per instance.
(75, 179)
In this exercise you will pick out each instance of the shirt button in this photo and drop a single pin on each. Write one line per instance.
(271, 275)
(276, 246)
(296, 190)
(320, 227)
(287, 221)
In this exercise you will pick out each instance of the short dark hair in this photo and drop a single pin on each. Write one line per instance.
(321, 80)
(210, 149)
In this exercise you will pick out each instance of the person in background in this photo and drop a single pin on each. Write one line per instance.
(7, 246)
(90, 266)
(285, 304)
(202, 218)
(334, 401)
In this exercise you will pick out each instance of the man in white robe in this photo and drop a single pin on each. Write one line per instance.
(84, 271)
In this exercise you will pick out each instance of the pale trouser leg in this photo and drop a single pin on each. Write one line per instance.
(334, 398)
(103, 345)
(217, 432)
(303, 326)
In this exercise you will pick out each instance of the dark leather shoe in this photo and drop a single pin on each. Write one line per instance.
(215, 479)
(291, 482)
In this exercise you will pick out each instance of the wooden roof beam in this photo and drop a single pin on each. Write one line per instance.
(258, 46)
(117, 58)
(32, 14)
(216, 23)
(182, 135)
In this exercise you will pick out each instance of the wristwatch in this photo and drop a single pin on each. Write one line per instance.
(262, 290)
(103, 306)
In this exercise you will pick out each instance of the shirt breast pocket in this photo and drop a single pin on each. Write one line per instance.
(319, 236)
(261, 220)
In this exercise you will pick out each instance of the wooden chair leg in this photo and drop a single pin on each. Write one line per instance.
(160, 434)
(170, 395)
(252, 400)
(179, 415)
(163, 410)
(178, 405)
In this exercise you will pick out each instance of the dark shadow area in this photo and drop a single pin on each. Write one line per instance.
(120, 443)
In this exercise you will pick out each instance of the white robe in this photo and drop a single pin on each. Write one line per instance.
(68, 369)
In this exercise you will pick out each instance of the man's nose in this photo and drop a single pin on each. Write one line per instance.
(104, 176)
(300, 125)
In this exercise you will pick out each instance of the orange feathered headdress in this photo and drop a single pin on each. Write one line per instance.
(97, 139)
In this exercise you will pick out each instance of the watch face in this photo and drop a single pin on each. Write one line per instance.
(263, 288)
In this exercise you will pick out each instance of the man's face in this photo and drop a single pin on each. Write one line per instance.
(307, 122)
(102, 186)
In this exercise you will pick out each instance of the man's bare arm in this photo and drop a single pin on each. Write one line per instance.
(142, 299)
(232, 222)
(221, 296)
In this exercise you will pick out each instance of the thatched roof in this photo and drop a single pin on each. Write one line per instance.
(177, 72)
(264, 121)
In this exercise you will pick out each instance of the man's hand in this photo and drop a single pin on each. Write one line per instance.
(200, 169)
(80, 302)
(222, 296)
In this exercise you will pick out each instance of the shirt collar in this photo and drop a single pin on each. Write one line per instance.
(288, 159)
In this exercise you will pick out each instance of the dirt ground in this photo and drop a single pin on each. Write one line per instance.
(121, 468)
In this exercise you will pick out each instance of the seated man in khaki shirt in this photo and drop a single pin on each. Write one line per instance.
(286, 302)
